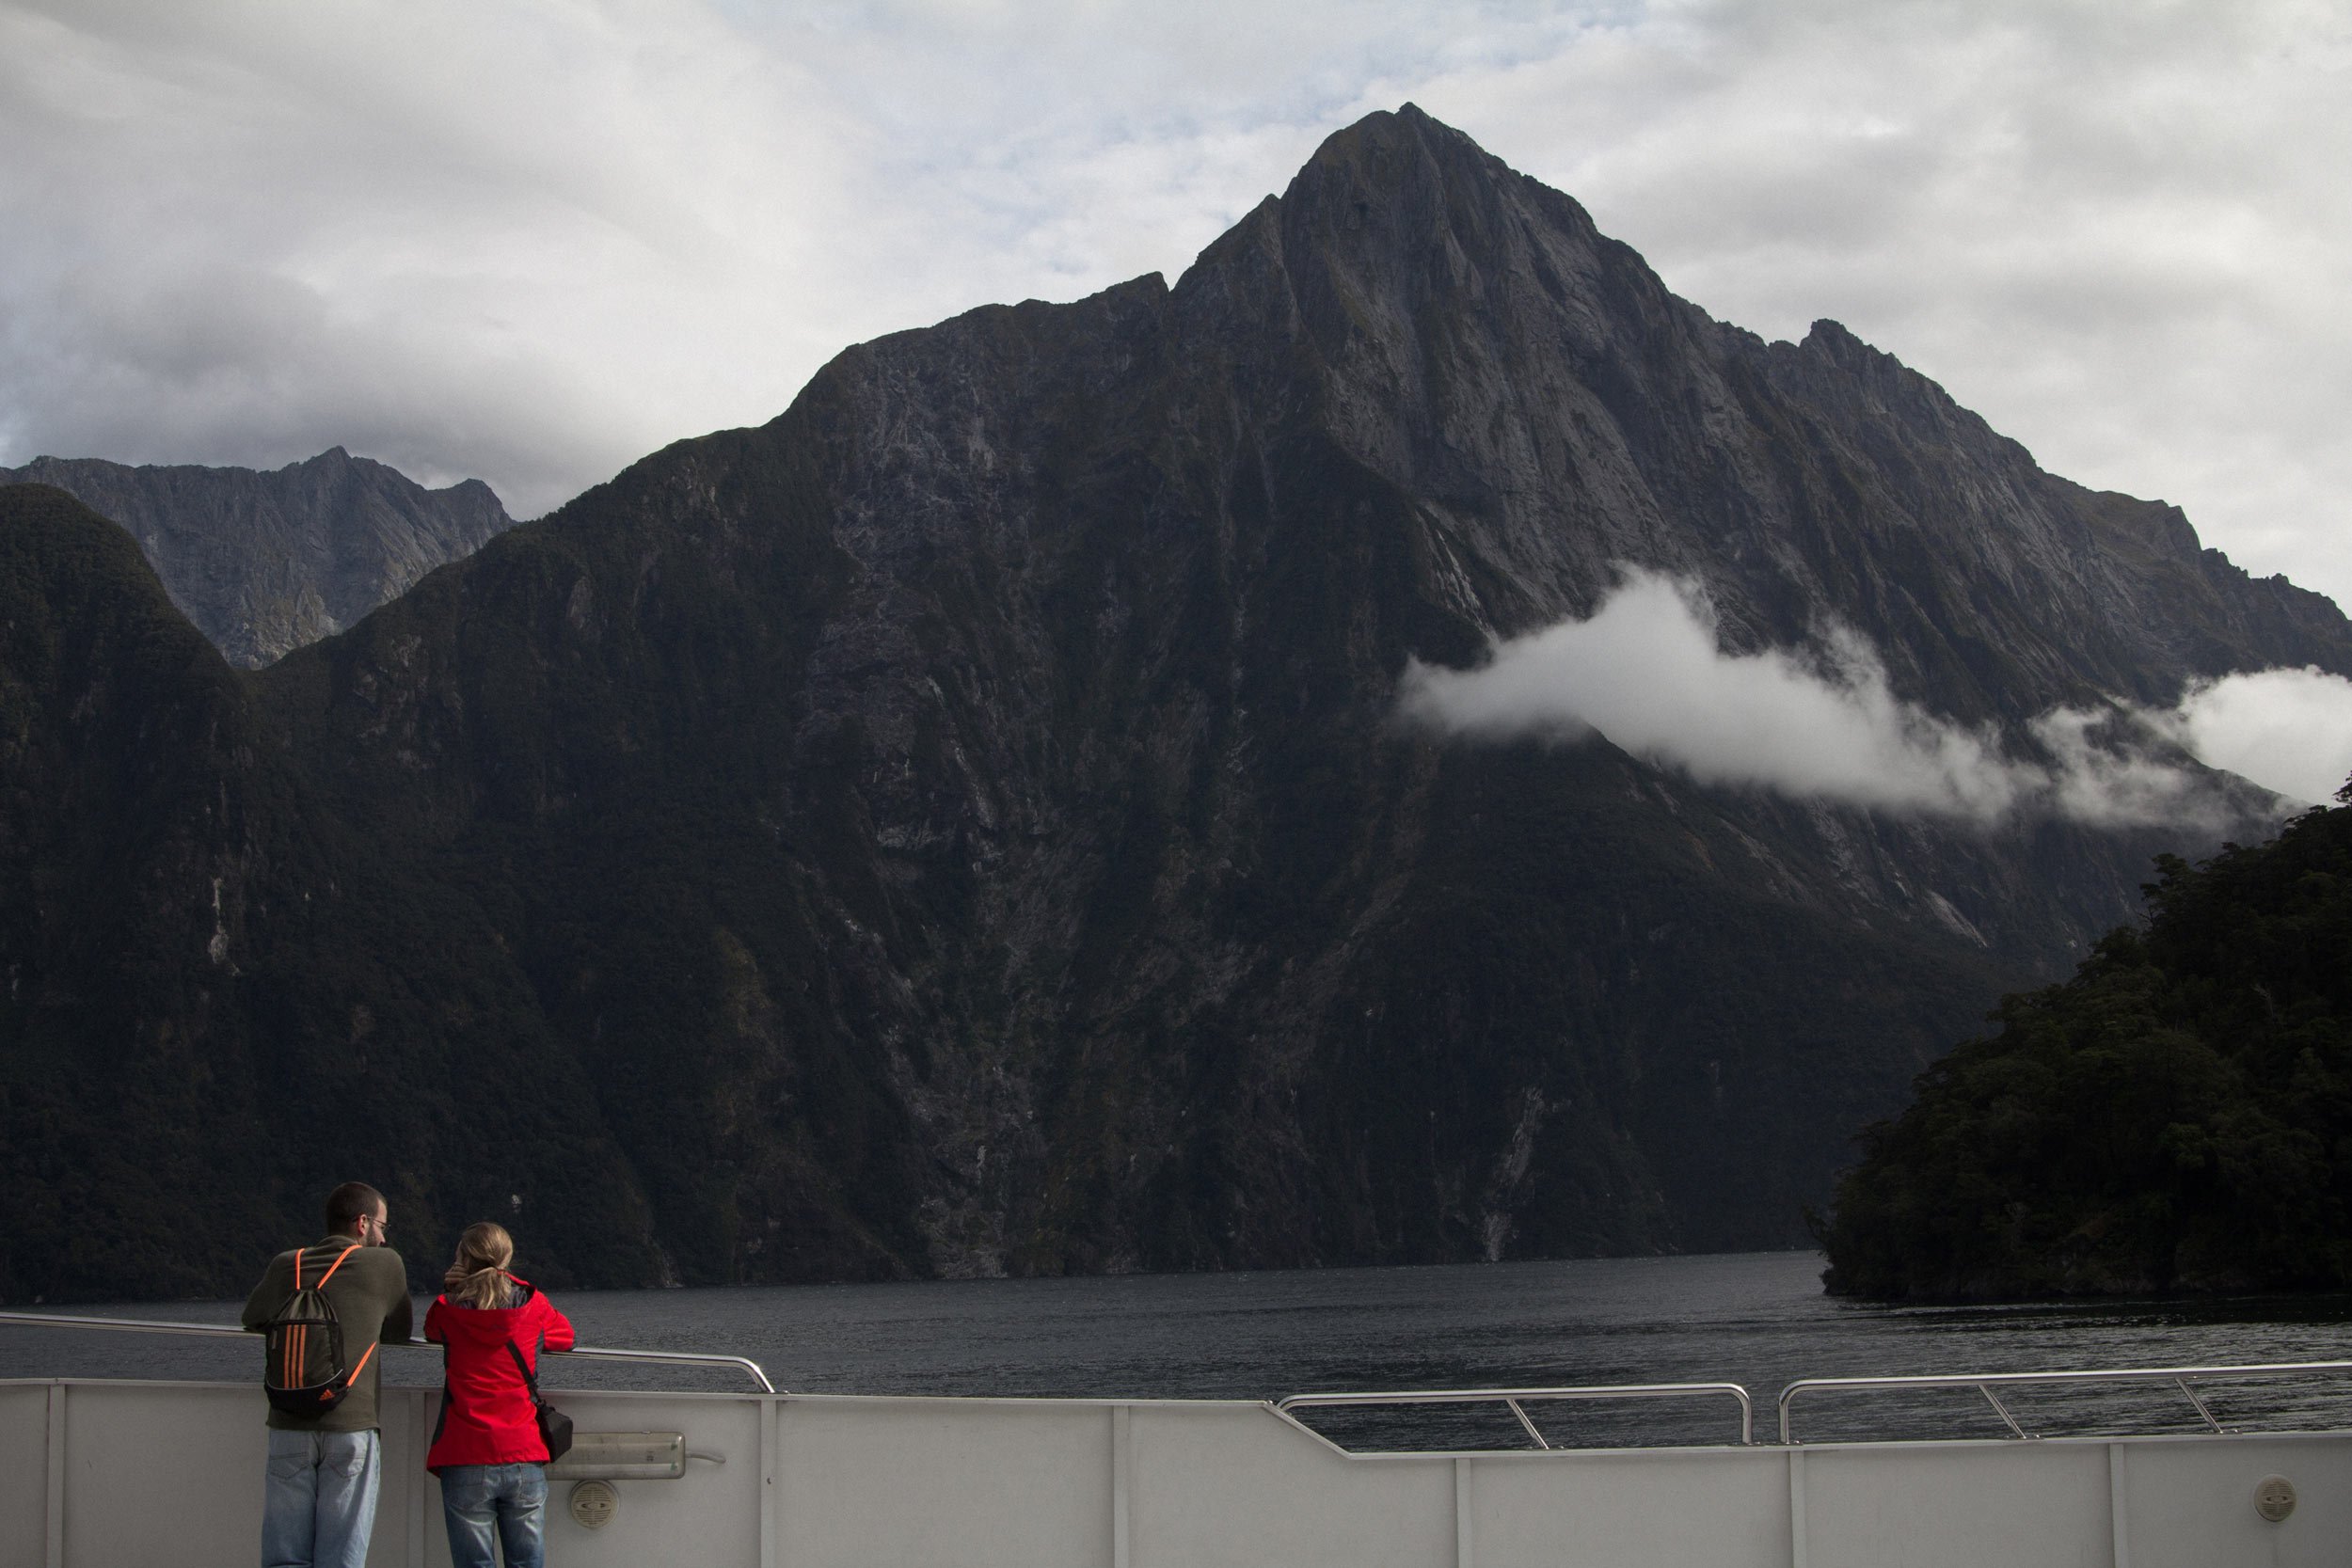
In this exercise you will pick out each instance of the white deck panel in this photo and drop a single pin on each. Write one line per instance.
(714, 1507)
(2190, 1506)
(159, 1473)
(24, 1471)
(1012, 1483)
(1650, 1508)
(143, 1470)
(1232, 1485)
(2018, 1504)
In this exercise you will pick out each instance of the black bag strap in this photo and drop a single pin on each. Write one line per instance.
(531, 1379)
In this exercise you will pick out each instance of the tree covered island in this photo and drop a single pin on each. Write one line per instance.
(2176, 1117)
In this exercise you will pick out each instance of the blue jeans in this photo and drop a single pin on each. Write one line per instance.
(516, 1495)
(320, 1506)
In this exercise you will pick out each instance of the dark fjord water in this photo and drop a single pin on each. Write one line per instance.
(1755, 1319)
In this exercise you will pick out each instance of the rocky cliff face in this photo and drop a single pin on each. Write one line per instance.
(264, 562)
(962, 826)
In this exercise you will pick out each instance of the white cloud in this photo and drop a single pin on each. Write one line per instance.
(531, 241)
(520, 241)
(2102, 775)
(1645, 672)
(2287, 730)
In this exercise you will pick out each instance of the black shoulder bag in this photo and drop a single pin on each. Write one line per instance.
(555, 1428)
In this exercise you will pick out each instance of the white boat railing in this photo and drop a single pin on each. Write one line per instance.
(1984, 1383)
(1515, 1398)
(595, 1353)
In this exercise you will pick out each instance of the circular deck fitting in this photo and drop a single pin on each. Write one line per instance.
(594, 1502)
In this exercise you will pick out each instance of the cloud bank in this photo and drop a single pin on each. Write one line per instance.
(1824, 723)
(2287, 730)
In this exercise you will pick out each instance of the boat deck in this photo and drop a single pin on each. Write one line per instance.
(113, 1473)
(99, 1473)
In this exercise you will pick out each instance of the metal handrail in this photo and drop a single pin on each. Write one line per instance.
(1984, 1383)
(1512, 1397)
(149, 1325)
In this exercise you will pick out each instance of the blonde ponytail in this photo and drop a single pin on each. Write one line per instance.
(479, 1277)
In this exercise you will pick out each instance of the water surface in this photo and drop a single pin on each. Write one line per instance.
(1755, 1319)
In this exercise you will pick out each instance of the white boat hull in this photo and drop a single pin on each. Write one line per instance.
(106, 1474)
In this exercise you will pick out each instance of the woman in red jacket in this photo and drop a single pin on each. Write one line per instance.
(486, 1448)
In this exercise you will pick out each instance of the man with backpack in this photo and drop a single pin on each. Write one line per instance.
(326, 1307)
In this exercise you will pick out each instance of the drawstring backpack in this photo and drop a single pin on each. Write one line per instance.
(304, 1374)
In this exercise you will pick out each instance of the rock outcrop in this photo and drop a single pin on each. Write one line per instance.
(264, 562)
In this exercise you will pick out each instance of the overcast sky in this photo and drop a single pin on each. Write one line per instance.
(532, 240)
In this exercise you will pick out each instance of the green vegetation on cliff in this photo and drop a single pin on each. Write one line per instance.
(2177, 1116)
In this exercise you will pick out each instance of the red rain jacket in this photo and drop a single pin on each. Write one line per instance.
(486, 1413)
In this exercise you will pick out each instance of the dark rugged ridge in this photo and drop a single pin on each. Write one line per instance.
(264, 562)
(961, 826)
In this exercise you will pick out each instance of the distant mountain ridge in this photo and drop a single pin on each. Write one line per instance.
(964, 827)
(266, 560)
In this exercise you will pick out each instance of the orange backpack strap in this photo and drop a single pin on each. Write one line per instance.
(330, 1268)
(353, 1378)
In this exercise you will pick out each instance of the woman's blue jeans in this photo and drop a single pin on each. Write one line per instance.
(511, 1496)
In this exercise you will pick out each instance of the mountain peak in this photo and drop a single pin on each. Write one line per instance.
(1832, 338)
(1400, 159)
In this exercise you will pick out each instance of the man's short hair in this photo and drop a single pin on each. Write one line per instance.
(349, 1203)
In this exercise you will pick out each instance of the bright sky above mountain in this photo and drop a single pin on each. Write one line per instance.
(529, 240)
